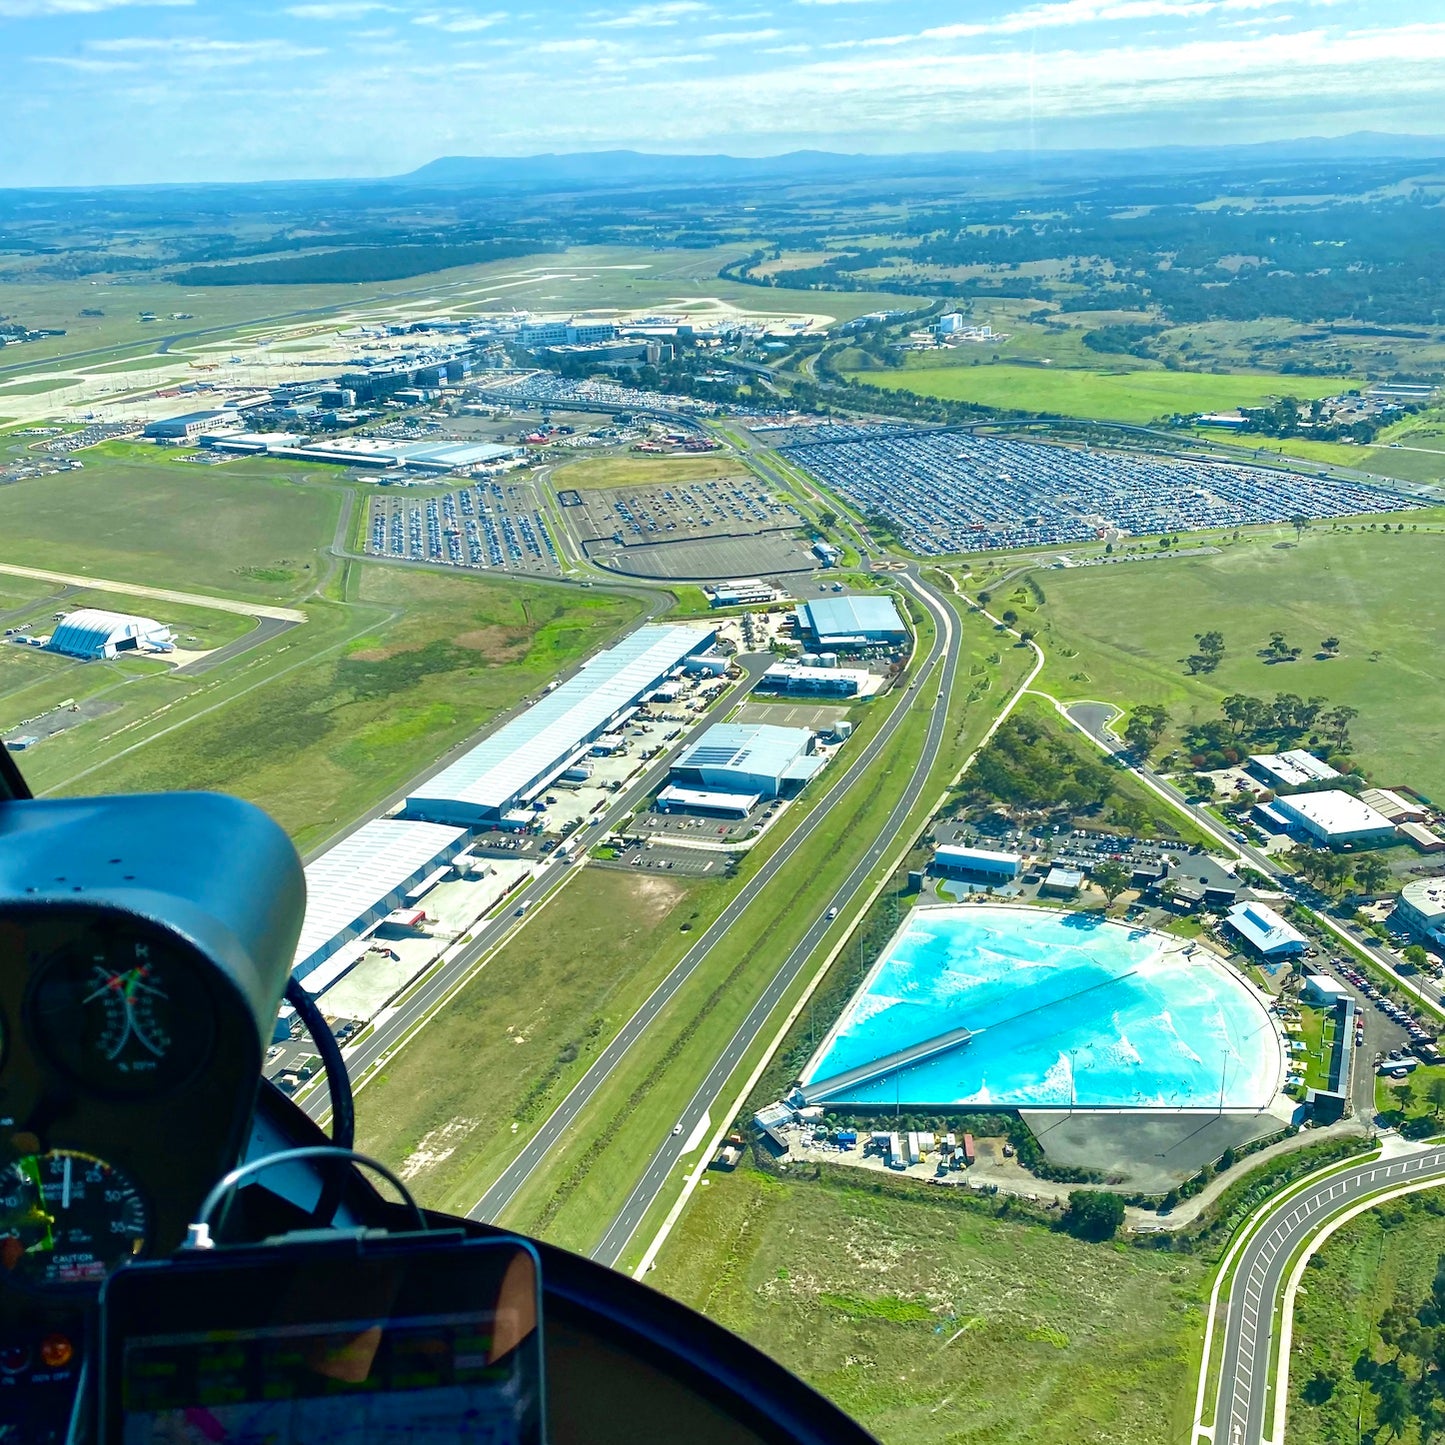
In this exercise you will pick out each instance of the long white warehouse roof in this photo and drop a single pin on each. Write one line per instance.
(495, 772)
(348, 881)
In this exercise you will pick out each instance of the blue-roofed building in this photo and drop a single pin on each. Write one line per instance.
(850, 621)
(751, 758)
(92, 633)
(1258, 924)
(522, 757)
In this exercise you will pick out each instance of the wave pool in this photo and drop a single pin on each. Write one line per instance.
(1061, 1009)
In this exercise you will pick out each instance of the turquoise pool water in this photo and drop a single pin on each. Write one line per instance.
(1052, 998)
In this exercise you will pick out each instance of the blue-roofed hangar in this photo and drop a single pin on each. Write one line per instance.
(851, 621)
(523, 756)
(90, 632)
(354, 885)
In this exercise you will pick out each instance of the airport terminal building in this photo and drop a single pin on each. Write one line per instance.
(508, 769)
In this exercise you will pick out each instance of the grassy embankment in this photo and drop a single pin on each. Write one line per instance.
(935, 1319)
(1119, 633)
(1388, 1254)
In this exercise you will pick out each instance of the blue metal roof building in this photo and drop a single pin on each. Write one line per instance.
(523, 756)
(852, 621)
(750, 758)
(90, 632)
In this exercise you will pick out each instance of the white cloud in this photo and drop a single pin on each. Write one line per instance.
(190, 52)
(337, 9)
(28, 9)
(740, 37)
(460, 22)
(666, 12)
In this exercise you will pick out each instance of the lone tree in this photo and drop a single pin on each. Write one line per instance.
(1210, 652)
(1145, 727)
(1094, 1214)
(1437, 1094)
(1110, 878)
(1331, 645)
(1299, 523)
(1371, 872)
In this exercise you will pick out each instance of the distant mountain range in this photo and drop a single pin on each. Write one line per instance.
(627, 168)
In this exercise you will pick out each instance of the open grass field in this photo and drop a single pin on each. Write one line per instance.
(1389, 1253)
(931, 1321)
(522, 1032)
(639, 469)
(236, 531)
(1118, 633)
(36, 387)
(1127, 396)
(325, 721)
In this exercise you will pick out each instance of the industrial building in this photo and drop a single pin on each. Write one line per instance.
(91, 633)
(357, 451)
(1393, 806)
(950, 860)
(851, 622)
(186, 428)
(523, 756)
(1334, 818)
(750, 758)
(355, 885)
(1269, 934)
(1320, 988)
(746, 592)
(799, 681)
(1421, 908)
(1293, 769)
(708, 803)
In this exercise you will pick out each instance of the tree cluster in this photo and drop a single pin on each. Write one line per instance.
(1025, 766)
(1252, 724)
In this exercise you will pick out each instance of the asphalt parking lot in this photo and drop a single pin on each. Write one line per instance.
(955, 492)
(488, 524)
(707, 559)
(635, 516)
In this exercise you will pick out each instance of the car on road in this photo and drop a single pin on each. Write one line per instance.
(676, 1130)
(830, 915)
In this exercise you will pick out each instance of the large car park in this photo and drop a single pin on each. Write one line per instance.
(489, 524)
(955, 492)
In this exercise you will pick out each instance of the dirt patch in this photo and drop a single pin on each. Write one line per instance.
(382, 654)
(500, 644)
(658, 896)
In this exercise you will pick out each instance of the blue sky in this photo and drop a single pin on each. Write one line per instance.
(167, 90)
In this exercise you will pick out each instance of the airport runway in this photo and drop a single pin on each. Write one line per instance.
(1246, 1373)
(945, 650)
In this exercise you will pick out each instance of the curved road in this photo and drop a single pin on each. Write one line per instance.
(1246, 1372)
(945, 648)
(673, 1146)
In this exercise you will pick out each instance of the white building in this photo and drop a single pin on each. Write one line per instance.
(1335, 817)
(1321, 989)
(758, 759)
(1422, 908)
(1260, 926)
(92, 633)
(1293, 769)
(953, 861)
(1393, 806)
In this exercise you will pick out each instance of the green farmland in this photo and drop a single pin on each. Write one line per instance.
(1119, 633)
(930, 1319)
(1126, 396)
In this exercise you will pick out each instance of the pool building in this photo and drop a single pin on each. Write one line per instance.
(997, 1006)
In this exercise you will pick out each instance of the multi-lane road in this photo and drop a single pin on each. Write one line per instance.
(933, 678)
(1249, 1331)
(418, 1006)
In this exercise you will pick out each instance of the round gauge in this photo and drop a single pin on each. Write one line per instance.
(123, 1014)
(66, 1219)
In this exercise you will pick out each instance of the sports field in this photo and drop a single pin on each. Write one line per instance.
(246, 529)
(1127, 396)
(639, 469)
(932, 1320)
(1119, 633)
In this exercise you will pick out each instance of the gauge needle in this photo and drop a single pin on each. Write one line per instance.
(65, 1185)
